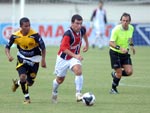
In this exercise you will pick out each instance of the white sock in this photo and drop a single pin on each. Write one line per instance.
(55, 86)
(18, 82)
(78, 83)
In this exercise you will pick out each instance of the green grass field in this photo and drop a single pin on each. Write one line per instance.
(134, 91)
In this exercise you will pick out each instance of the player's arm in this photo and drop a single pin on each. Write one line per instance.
(85, 37)
(7, 49)
(86, 43)
(93, 15)
(131, 45)
(65, 47)
(43, 52)
(92, 18)
(105, 18)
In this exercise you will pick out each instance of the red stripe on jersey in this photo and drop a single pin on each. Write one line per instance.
(71, 41)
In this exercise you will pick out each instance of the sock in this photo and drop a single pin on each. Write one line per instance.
(124, 73)
(115, 82)
(55, 86)
(18, 82)
(25, 91)
(27, 97)
(78, 83)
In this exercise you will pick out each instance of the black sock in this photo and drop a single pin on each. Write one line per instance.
(115, 82)
(24, 87)
(124, 73)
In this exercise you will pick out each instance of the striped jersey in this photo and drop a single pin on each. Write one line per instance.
(71, 41)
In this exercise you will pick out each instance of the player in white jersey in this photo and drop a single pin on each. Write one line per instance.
(98, 22)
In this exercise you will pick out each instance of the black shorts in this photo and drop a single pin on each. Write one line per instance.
(28, 69)
(118, 59)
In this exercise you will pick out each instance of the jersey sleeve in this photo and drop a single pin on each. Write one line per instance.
(131, 31)
(39, 40)
(11, 41)
(65, 43)
(93, 15)
(83, 31)
(113, 35)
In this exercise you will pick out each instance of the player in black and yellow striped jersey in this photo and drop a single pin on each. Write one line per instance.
(31, 51)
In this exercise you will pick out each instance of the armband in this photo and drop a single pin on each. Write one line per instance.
(131, 44)
(117, 47)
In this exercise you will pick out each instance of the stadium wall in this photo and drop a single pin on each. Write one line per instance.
(52, 32)
(51, 20)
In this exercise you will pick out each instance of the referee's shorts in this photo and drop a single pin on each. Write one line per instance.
(119, 59)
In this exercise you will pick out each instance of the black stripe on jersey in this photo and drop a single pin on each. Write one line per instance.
(69, 33)
(39, 40)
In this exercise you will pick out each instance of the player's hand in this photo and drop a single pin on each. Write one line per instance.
(123, 50)
(133, 50)
(10, 58)
(43, 63)
(85, 49)
(79, 57)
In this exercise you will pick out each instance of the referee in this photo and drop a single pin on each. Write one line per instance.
(120, 41)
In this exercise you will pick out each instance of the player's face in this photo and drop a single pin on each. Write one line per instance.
(100, 5)
(76, 25)
(125, 21)
(25, 28)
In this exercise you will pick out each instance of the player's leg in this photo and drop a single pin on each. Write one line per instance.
(128, 70)
(96, 38)
(16, 83)
(116, 79)
(31, 74)
(127, 66)
(56, 84)
(102, 41)
(23, 82)
(75, 66)
(116, 65)
(25, 88)
(61, 68)
(78, 81)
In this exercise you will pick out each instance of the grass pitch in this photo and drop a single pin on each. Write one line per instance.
(134, 91)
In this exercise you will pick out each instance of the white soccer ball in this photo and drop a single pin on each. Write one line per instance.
(88, 99)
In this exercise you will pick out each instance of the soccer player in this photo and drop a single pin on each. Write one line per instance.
(98, 22)
(121, 39)
(31, 50)
(69, 57)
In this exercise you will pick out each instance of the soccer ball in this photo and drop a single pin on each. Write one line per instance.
(88, 99)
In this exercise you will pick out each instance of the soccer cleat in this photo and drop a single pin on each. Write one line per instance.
(114, 91)
(27, 101)
(15, 85)
(54, 98)
(113, 74)
(79, 97)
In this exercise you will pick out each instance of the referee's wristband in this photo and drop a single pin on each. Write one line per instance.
(131, 44)
(117, 47)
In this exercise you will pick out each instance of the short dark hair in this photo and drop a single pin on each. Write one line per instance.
(100, 1)
(126, 14)
(24, 19)
(76, 17)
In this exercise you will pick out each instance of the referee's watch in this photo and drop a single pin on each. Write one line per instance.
(117, 47)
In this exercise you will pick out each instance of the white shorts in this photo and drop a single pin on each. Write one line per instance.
(99, 29)
(62, 65)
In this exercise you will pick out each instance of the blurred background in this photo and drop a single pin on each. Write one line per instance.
(52, 17)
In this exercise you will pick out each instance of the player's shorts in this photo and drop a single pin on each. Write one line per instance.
(63, 65)
(27, 67)
(99, 30)
(118, 59)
